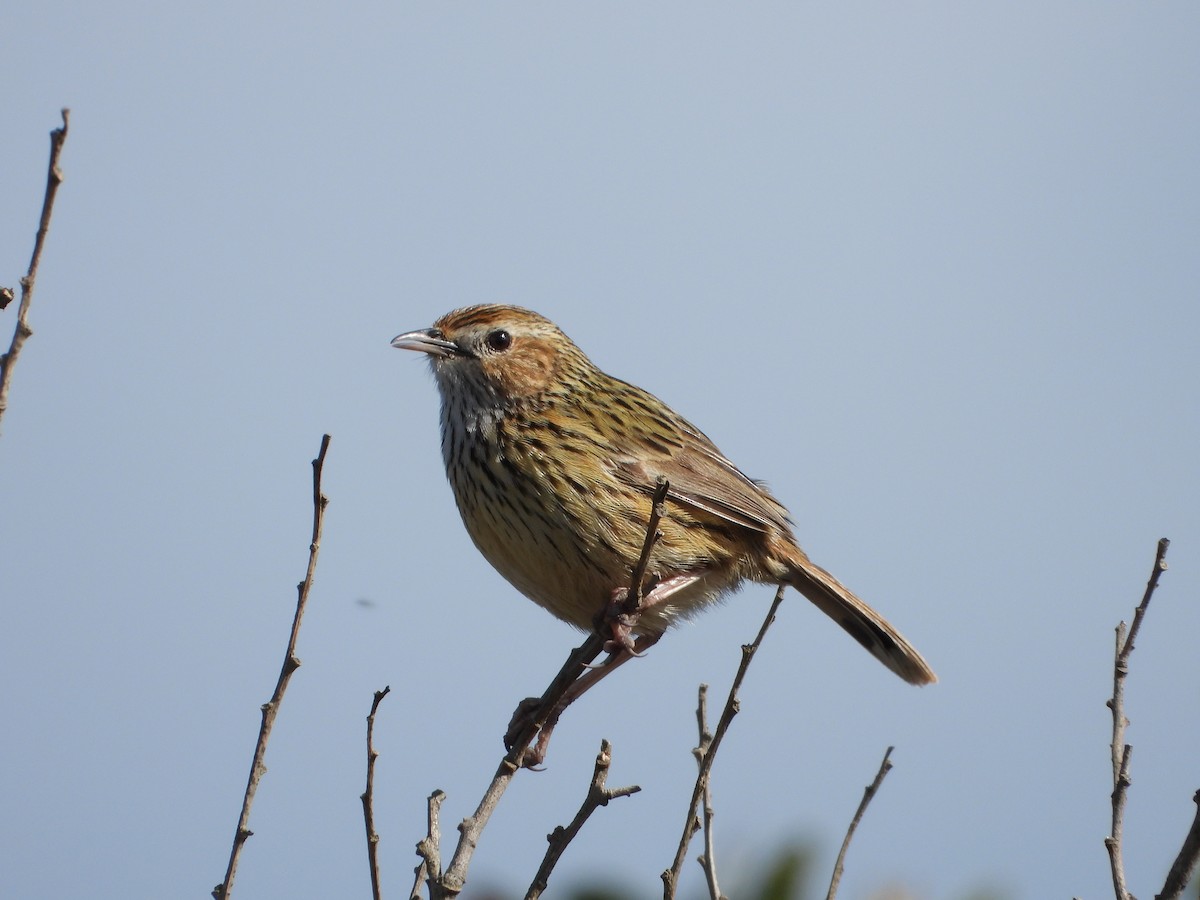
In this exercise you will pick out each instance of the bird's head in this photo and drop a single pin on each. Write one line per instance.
(503, 352)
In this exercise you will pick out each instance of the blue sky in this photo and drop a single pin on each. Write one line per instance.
(930, 270)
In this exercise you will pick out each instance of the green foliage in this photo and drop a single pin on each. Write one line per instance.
(599, 893)
(786, 876)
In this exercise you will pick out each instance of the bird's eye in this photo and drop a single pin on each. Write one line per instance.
(499, 340)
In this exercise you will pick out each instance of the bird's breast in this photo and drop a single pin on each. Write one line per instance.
(545, 507)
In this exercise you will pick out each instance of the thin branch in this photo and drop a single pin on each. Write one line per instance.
(1184, 866)
(671, 876)
(291, 663)
(868, 795)
(1119, 750)
(708, 860)
(598, 795)
(368, 796)
(54, 177)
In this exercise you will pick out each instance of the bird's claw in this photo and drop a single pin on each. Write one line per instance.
(522, 718)
(614, 616)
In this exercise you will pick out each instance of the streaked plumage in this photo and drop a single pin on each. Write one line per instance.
(553, 464)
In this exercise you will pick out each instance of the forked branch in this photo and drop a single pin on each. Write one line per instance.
(691, 825)
(1121, 754)
(599, 794)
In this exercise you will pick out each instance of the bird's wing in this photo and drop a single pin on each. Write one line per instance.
(701, 477)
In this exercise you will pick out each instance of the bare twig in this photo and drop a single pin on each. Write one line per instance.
(450, 882)
(1121, 751)
(54, 177)
(429, 848)
(671, 876)
(538, 716)
(1185, 863)
(868, 795)
(633, 600)
(1160, 566)
(368, 796)
(291, 663)
(708, 860)
(598, 795)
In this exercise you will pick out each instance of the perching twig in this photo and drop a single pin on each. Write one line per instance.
(598, 795)
(633, 600)
(708, 860)
(291, 663)
(538, 716)
(1121, 751)
(541, 711)
(54, 178)
(368, 796)
(671, 876)
(868, 795)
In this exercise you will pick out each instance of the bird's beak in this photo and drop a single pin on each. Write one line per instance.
(427, 340)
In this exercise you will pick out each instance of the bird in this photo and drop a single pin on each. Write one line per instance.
(554, 464)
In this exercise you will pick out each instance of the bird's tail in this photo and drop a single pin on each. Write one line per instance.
(865, 625)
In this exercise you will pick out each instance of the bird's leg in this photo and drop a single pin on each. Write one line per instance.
(622, 612)
(621, 617)
(617, 618)
(616, 656)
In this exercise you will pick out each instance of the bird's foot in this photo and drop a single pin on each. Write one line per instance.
(620, 621)
(522, 728)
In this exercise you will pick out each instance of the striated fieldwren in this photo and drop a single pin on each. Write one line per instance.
(554, 464)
